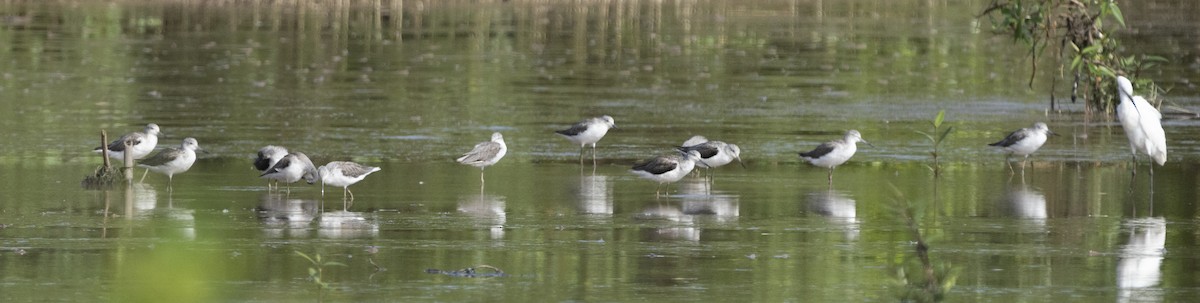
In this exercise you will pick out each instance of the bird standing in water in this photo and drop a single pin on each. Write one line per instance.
(833, 153)
(485, 154)
(1023, 142)
(1143, 125)
(587, 132)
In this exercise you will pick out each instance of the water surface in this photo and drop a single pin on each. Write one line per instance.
(408, 85)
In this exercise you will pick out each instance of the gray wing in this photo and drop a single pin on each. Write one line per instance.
(261, 162)
(575, 129)
(657, 165)
(163, 157)
(279, 166)
(118, 145)
(482, 152)
(353, 170)
(706, 149)
(820, 151)
(1012, 138)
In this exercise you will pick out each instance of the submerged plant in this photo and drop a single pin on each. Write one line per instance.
(921, 279)
(316, 272)
(936, 138)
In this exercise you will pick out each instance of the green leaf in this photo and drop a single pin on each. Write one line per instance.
(927, 135)
(944, 134)
(1107, 72)
(1116, 12)
(1094, 49)
(937, 122)
(1154, 59)
(305, 257)
(312, 271)
(333, 263)
(1075, 62)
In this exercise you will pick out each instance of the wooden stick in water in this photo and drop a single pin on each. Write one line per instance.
(128, 161)
(104, 148)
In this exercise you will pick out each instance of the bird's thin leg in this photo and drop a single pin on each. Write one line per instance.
(349, 192)
(593, 154)
(171, 183)
(144, 176)
(1008, 161)
(581, 154)
(830, 175)
(481, 181)
(1134, 155)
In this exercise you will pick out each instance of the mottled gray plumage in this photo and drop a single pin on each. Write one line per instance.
(351, 169)
(173, 160)
(658, 165)
(821, 150)
(268, 156)
(142, 142)
(292, 168)
(162, 157)
(343, 174)
(485, 154)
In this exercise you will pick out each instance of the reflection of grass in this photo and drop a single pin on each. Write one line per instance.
(317, 271)
(922, 279)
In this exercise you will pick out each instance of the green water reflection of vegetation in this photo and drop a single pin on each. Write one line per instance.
(406, 84)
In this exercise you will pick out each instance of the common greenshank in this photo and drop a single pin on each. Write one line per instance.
(485, 154)
(587, 132)
(833, 153)
(171, 161)
(1023, 142)
(667, 169)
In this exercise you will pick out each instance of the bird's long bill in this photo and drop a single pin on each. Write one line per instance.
(322, 182)
(1052, 133)
(740, 162)
(867, 143)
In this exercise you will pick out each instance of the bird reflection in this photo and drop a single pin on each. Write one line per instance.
(721, 207)
(145, 200)
(838, 207)
(487, 209)
(282, 216)
(679, 226)
(595, 197)
(144, 206)
(345, 224)
(1026, 203)
(1139, 266)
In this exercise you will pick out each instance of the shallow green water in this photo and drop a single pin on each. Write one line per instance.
(359, 82)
